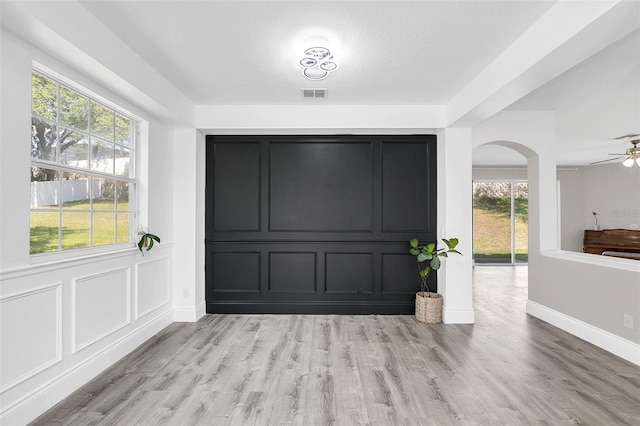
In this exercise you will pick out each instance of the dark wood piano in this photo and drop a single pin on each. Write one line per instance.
(613, 242)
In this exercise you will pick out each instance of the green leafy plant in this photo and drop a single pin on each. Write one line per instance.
(147, 240)
(429, 255)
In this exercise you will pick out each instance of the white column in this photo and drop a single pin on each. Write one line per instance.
(455, 220)
(188, 225)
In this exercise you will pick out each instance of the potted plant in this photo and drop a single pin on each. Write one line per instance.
(428, 304)
(146, 240)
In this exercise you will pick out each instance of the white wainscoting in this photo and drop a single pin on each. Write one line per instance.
(65, 321)
(24, 355)
(151, 290)
(101, 306)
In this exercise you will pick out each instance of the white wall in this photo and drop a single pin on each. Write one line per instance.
(484, 173)
(572, 209)
(65, 320)
(612, 191)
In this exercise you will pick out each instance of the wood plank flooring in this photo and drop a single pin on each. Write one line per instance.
(507, 369)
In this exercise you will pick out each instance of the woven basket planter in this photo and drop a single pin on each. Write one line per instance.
(429, 307)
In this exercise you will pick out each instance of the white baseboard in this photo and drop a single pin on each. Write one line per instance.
(458, 316)
(610, 342)
(189, 314)
(36, 402)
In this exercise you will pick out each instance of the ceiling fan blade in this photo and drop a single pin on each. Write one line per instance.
(630, 135)
(610, 159)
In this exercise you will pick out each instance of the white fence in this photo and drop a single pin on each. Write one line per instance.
(45, 194)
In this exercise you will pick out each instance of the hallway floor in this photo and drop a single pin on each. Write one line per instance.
(507, 369)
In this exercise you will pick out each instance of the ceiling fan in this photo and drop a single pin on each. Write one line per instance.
(632, 154)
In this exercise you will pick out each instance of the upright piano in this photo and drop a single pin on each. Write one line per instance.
(612, 242)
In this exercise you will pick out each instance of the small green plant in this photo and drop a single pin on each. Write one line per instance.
(147, 240)
(430, 254)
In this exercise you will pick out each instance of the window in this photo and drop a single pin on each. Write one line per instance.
(500, 222)
(83, 178)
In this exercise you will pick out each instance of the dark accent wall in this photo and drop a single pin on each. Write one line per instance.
(317, 224)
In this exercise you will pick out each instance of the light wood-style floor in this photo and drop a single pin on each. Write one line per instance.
(507, 369)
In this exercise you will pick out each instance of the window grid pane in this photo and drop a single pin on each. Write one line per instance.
(75, 191)
(44, 139)
(74, 109)
(82, 174)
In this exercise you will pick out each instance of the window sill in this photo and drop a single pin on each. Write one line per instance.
(53, 261)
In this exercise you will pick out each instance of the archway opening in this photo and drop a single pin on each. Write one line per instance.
(500, 203)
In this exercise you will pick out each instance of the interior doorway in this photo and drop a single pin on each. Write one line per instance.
(500, 222)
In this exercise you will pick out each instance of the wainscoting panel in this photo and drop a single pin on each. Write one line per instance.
(151, 285)
(292, 273)
(101, 304)
(237, 187)
(349, 273)
(400, 274)
(304, 177)
(407, 187)
(234, 272)
(26, 354)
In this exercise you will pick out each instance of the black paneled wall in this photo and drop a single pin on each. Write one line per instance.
(317, 224)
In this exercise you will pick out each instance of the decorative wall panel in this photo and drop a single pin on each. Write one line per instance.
(236, 199)
(399, 274)
(235, 272)
(151, 285)
(349, 273)
(101, 304)
(407, 184)
(320, 187)
(25, 354)
(292, 273)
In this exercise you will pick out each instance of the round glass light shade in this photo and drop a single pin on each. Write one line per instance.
(628, 162)
(638, 161)
(328, 66)
(314, 73)
(308, 62)
(318, 53)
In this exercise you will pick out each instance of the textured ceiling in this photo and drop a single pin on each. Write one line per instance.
(466, 57)
(244, 52)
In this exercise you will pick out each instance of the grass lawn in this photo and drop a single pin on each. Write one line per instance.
(75, 226)
(492, 228)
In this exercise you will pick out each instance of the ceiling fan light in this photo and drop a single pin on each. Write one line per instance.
(638, 161)
(628, 162)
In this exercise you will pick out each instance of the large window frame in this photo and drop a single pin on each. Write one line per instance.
(84, 175)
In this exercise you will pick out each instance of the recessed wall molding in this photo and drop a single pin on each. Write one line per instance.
(8, 316)
(101, 306)
(21, 411)
(153, 276)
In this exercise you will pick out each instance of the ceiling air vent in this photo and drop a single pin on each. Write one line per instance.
(314, 93)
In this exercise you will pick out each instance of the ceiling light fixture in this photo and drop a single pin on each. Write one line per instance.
(633, 154)
(317, 63)
(629, 162)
